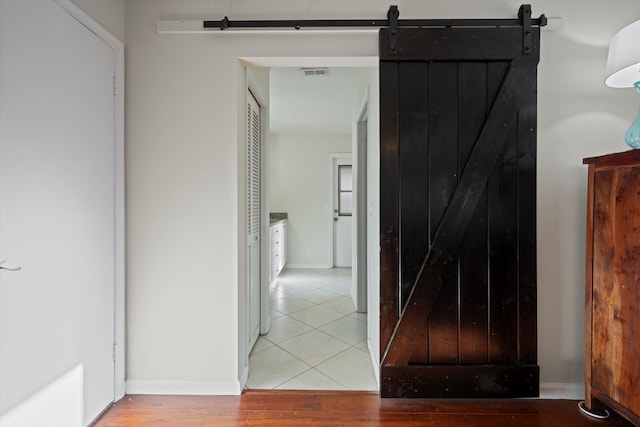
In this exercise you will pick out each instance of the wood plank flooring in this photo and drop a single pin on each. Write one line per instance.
(324, 408)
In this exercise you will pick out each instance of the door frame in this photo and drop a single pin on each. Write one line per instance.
(263, 102)
(244, 64)
(362, 142)
(119, 186)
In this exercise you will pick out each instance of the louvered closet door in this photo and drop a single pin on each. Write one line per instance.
(457, 214)
(253, 215)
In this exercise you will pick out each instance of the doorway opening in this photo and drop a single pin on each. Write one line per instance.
(317, 333)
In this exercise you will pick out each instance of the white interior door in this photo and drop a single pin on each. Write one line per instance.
(253, 215)
(342, 211)
(57, 216)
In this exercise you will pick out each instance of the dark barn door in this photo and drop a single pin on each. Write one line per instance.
(458, 212)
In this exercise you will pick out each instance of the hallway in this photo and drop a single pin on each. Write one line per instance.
(317, 340)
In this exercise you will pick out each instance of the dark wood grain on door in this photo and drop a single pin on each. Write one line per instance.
(458, 275)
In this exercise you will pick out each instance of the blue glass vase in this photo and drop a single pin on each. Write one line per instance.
(632, 136)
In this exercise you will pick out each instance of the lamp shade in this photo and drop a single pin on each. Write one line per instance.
(623, 63)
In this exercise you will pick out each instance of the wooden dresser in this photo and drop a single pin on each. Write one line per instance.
(612, 302)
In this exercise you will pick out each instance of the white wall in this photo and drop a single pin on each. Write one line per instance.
(578, 116)
(110, 14)
(300, 184)
(182, 176)
(182, 167)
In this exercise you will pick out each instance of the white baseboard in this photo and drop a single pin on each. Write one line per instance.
(572, 391)
(294, 266)
(184, 387)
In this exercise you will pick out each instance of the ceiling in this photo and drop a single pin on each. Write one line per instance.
(312, 104)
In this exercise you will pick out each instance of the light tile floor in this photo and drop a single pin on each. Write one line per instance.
(317, 340)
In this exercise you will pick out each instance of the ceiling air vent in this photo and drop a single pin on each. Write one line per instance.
(315, 71)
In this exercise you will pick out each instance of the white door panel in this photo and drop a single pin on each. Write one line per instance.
(342, 212)
(56, 205)
(342, 242)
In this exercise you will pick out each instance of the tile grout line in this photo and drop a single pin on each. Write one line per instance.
(350, 315)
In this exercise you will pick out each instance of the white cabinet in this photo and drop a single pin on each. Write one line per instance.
(278, 248)
(283, 246)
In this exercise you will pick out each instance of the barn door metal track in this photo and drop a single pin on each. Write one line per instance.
(524, 20)
(392, 19)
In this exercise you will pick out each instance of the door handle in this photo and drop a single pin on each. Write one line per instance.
(335, 219)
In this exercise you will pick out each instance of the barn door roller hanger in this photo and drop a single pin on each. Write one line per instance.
(524, 20)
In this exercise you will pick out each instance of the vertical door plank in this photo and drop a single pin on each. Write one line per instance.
(503, 255)
(443, 170)
(527, 259)
(389, 202)
(472, 254)
(414, 181)
(500, 224)
(414, 167)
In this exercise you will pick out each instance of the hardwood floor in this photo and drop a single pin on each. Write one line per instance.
(324, 408)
